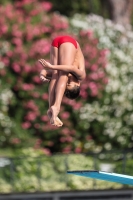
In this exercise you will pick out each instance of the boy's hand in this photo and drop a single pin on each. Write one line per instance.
(45, 64)
(43, 79)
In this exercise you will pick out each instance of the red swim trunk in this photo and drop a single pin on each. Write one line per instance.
(62, 39)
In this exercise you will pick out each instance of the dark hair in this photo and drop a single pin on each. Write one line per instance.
(73, 93)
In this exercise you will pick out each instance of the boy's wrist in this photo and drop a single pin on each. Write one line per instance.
(52, 67)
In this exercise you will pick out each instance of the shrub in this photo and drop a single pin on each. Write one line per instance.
(29, 28)
(109, 119)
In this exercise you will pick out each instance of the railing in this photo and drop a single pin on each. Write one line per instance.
(124, 194)
(44, 174)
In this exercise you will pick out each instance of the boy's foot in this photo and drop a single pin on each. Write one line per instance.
(43, 76)
(56, 121)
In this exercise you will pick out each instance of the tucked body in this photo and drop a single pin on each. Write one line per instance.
(65, 73)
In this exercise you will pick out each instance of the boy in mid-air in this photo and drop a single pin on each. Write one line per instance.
(65, 72)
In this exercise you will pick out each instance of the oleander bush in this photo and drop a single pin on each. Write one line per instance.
(27, 30)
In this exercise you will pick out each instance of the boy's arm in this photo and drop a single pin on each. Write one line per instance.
(79, 73)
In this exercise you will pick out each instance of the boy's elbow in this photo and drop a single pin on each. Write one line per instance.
(72, 68)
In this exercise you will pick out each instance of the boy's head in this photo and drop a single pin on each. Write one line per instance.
(73, 87)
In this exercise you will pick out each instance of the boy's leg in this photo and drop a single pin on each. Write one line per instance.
(54, 61)
(52, 86)
(66, 54)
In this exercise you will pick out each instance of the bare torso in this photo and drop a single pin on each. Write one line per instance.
(79, 61)
(79, 56)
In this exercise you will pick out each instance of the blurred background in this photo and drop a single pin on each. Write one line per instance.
(98, 126)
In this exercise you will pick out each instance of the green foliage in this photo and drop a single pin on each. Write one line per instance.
(70, 7)
(124, 165)
(48, 173)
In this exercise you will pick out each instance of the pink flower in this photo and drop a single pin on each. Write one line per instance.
(104, 52)
(16, 32)
(31, 105)
(37, 125)
(44, 118)
(16, 68)
(34, 12)
(62, 139)
(5, 60)
(27, 87)
(95, 42)
(94, 92)
(67, 149)
(37, 143)
(2, 72)
(94, 89)
(94, 67)
(45, 96)
(73, 132)
(101, 61)
(101, 75)
(94, 76)
(65, 115)
(78, 150)
(35, 94)
(69, 139)
(46, 151)
(105, 80)
(89, 33)
(36, 79)
(84, 94)
(23, 3)
(27, 68)
(65, 131)
(93, 53)
(92, 85)
(66, 139)
(17, 41)
(77, 106)
(9, 53)
(15, 141)
(46, 5)
(3, 29)
(26, 125)
(31, 116)
(42, 46)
